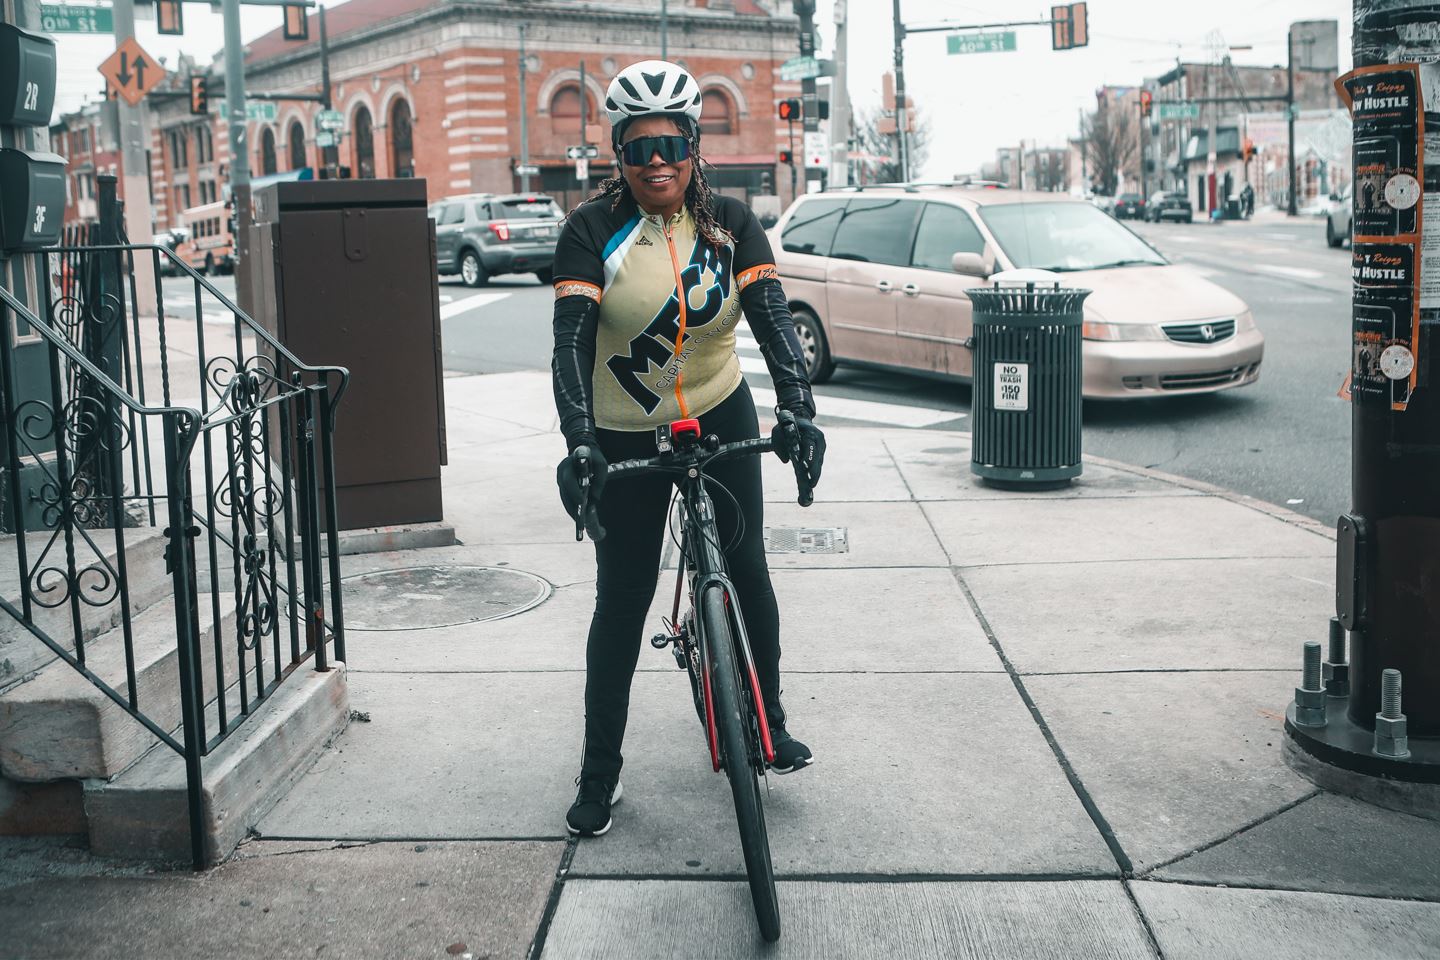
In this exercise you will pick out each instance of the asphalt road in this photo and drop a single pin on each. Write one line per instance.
(1285, 440)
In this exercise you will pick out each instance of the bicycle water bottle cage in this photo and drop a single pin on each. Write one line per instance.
(685, 432)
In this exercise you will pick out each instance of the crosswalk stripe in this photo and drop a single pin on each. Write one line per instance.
(472, 302)
(868, 411)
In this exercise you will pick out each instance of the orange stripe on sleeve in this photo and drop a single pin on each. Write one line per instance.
(762, 271)
(577, 288)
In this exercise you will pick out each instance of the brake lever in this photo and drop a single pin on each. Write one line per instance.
(582, 463)
(805, 494)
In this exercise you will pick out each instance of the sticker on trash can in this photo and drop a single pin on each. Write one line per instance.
(1012, 386)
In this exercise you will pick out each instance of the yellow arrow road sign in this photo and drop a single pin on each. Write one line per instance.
(132, 72)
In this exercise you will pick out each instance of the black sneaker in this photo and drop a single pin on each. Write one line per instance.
(589, 815)
(790, 754)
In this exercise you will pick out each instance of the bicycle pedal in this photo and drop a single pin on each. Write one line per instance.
(661, 640)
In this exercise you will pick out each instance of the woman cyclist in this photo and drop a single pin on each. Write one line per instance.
(651, 275)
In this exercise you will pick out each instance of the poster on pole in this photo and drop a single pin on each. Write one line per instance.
(1386, 252)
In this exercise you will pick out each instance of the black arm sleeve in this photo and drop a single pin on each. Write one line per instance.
(767, 309)
(572, 368)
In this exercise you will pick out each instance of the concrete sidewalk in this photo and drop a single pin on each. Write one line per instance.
(1047, 724)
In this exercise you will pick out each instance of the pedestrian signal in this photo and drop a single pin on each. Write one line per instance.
(170, 17)
(1247, 150)
(787, 157)
(199, 96)
(791, 109)
(1069, 26)
(1145, 103)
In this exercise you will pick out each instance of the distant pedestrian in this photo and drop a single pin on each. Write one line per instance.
(1247, 200)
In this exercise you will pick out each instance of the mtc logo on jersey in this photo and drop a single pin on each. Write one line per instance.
(655, 346)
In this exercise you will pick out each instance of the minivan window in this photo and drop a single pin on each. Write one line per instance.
(812, 226)
(1064, 236)
(453, 213)
(876, 230)
(944, 231)
(532, 208)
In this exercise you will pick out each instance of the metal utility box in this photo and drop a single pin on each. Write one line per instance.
(32, 199)
(1026, 396)
(27, 77)
(344, 273)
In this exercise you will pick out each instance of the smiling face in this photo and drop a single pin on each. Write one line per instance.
(658, 187)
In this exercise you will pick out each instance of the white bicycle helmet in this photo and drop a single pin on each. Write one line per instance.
(651, 87)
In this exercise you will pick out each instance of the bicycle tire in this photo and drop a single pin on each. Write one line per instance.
(735, 749)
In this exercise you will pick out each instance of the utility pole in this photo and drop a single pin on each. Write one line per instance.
(901, 120)
(805, 10)
(1293, 207)
(840, 105)
(584, 119)
(1370, 736)
(239, 151)
(330, 156)
(1212, 141)
(525, 119)
(134, 139)
(664, 29)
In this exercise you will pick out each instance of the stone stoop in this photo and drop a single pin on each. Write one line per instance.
(20, 653)
(143, 813)
(61, 726)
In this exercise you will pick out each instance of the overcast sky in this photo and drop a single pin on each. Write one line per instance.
(976, 102)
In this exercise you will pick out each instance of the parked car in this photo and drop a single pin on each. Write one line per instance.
(1168, 205)
(878, 277)
(480, 235)
(1339, 217)
(1129, 206)
(1102, 202)
(170, 240)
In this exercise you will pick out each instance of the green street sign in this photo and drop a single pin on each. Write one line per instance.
(803, 68)
(1001, 42)
(260, 110)
(1177, 110)
(65, 18)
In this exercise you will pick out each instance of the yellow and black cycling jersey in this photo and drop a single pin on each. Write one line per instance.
(646, 311)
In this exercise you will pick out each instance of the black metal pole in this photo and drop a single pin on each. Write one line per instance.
(329, 156)
(1293, 207)
(900, 118)
(332, 520)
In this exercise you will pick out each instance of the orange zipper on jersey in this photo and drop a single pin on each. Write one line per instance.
(680, 334)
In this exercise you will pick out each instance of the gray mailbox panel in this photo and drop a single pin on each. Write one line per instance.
(27, 77)
(32, 199)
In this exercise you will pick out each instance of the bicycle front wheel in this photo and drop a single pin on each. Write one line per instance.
(732, 717)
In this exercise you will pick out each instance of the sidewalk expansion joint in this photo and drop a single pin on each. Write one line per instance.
(1281, 888)
(368, 841)
(1144, 920)
(1100, 560)
(1107, 832)
(552, 903)
(1098, 673)
(1243, 828)
(868, 878)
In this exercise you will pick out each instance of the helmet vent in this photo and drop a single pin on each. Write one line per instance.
(654, 81)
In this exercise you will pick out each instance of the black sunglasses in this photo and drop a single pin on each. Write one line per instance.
(672, 149)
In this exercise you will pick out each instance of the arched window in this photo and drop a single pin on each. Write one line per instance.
(565, 110)
(297, 145)
(267, 152)
(364, 135)
(717, 113)
(402, 147)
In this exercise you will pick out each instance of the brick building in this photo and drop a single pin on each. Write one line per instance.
(431, 88)
(89, 146)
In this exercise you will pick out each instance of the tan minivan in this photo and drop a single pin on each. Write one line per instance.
(877, 276)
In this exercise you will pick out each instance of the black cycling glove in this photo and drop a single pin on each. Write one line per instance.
(812, 446)
(568, 474)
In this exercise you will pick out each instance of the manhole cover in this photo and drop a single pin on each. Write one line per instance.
(807, 540)
(417, 598)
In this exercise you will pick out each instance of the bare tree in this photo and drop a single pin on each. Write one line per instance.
(872, 143)
(1111, 144)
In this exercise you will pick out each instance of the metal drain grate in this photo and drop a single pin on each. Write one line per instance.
(807, 540)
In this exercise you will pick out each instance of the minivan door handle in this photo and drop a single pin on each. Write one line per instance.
(911, 290)
(883, 286)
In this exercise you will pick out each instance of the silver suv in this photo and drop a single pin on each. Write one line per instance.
(480, 235)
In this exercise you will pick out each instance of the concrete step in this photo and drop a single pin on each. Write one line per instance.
(143, 813)
(59, 725)
(20, 653)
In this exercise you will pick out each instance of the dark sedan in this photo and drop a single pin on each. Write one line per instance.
(1129, 206)
(1170, 206)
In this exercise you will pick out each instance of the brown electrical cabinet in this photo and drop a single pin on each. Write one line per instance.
(345, 275)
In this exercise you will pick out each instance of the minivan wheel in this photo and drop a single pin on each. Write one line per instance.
(1330, 238)
(472, 271)
(818, 363)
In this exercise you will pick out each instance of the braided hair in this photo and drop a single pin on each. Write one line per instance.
(698, 196)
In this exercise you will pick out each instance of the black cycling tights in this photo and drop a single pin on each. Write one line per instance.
(634, 512)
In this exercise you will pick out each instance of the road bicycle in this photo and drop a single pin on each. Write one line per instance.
(709, 641)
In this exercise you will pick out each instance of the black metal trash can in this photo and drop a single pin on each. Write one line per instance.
(1025, 402)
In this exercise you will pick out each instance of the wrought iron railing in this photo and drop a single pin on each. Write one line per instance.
(96, 465)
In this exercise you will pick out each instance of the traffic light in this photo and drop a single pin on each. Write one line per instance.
(1145, 103)
(199, 95)
(787, 157)
(1069, 26)
(791, 109)
(297, 24)
(822, 109)
(767, 183)
(170, 17)
(1247, 149)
